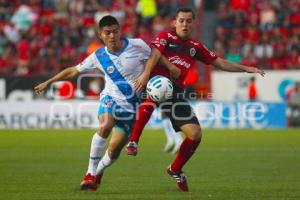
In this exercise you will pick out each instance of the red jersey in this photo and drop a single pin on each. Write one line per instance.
(183, 54)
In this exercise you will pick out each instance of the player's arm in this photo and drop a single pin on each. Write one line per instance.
(151, 62)
(174, 71)
(235, 67)
(67, 73)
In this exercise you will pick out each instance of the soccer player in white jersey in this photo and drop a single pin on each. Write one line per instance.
(122, 62)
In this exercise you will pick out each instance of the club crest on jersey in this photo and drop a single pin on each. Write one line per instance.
(110, 69)
(172, 45)
(108, 103)
(192, 52)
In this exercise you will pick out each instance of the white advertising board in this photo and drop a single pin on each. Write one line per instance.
(83, 114)
(272, 88)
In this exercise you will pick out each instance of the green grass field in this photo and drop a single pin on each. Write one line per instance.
(230, 164)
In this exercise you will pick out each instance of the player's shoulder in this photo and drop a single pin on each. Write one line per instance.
(98, 52)
(168, 34)
(137, 43)
(195, 43)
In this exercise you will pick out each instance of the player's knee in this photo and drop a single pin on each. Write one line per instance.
(104, 131)
(195, 134)
(113, 153)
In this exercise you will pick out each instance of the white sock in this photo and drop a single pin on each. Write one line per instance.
(97, 147)
(105, 162)
(178, 137)
(168, 129)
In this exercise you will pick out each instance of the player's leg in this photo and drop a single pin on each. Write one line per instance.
(169, 132)
(174, 138)
(106, 123)
(144, 113)
(120, 134)
(178, 141)
(117, 142)
(185, 120)
(188, 146)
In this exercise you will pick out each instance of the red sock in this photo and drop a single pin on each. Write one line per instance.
(145, 111)
(185, 152)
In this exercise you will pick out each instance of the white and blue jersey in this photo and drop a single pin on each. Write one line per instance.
(121, 71)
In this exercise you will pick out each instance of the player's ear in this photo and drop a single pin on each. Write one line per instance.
(99, 34)
(173, 22)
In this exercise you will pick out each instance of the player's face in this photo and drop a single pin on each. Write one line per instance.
(111, 37)
(184, 24)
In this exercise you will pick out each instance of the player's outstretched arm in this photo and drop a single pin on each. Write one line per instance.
(67, 73)
(235, 67)
(174, 71)
(151, 62)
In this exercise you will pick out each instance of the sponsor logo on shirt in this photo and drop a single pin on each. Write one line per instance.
(177, 60)
(137, 46)
(172, 45)
(129, 57)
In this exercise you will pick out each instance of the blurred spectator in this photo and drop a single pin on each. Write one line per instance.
(249, 58)
(233, 53)
(293, 99)
(239, 4)
(4, 10)
(267, 16)
(224, 15)
(93, 45)
(147, 10)
(101, 12)
(23, 47)
(270, 32)
(252, 90)
(264, 48)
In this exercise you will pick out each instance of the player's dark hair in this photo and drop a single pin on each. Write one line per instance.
(185, 10)
(108, 20)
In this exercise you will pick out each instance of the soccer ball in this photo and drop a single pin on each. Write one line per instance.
(159, 89)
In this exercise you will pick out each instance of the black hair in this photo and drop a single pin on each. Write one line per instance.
(108, 20)
(185, 10)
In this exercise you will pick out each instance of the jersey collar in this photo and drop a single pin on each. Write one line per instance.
(122, 50)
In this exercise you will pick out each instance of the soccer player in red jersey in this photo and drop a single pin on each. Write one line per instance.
(182, 52)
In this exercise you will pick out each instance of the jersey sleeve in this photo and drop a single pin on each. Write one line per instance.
(88, 63)
(205, 55)
(160, 41)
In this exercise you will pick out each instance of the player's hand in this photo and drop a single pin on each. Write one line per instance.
(255, 70)
(174, 72)
(141, 82)
(40, 88)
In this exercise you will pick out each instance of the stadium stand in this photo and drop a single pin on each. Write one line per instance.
(259, 32)
(39, 37)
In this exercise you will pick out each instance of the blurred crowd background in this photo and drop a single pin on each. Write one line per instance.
(259, 32)
(41, 37)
